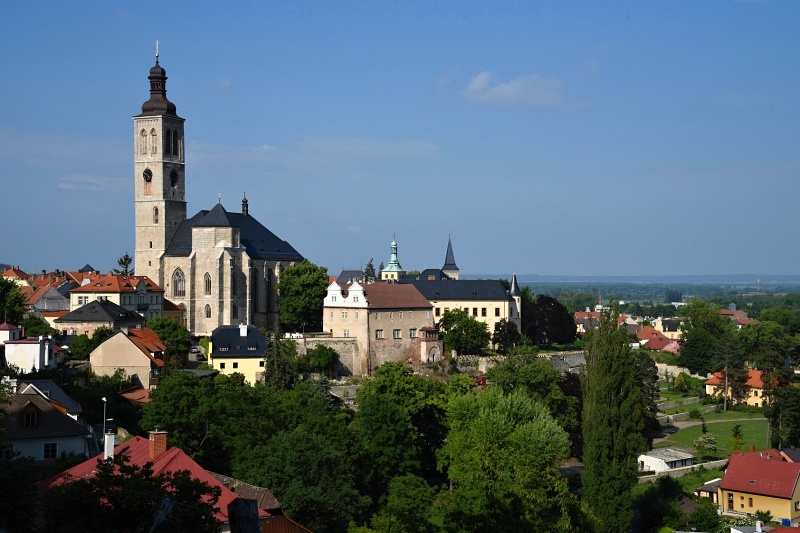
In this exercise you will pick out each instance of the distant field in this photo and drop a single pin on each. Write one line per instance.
(754, 432)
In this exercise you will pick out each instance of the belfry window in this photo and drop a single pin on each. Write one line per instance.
(168, 143)
(155, 215)
(153, 141)
(208, 311)
(175, 147)
(178, 283)
(207, 283)
(143, 142)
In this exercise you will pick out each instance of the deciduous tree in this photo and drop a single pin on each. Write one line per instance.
(506, 335)
(463, 333)
(12, 302)
(176, 339)
(301, 292)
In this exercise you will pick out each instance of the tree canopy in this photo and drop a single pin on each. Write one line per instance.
(12, 301)
(124, 263)
(463, 333)
(301, 291)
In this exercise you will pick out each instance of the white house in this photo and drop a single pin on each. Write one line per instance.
(663, 459)
(31, 354)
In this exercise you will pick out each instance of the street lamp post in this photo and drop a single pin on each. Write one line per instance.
(104, 418)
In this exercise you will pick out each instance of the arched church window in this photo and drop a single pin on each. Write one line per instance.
(153, 142)
(175, 148)
(143, 142)
(234, 284)
(148, 181)
(207, 283)
(208, 311)
(168, 143)
(254, 289)
(178, 283)
(173, 178)
(155, 215)
(235, 310)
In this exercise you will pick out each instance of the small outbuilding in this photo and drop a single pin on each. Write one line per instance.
(663, 459)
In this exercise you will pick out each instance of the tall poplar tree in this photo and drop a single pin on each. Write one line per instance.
(614, 414)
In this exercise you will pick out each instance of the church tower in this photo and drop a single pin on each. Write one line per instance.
(450, 269)
(159, 176)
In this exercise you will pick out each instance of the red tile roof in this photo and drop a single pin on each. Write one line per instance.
(172, 460)
(394, 296)
(756, 475)
(14, 272)
(114, 283)
(753, 379)
(148, 342)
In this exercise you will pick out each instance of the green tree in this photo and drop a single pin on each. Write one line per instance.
(322, 359)
(124, 263)
(614, 421)
(369, 270)
(301, 291)
(176, 339)
(313, 479)
(408, 506)
(279, 363)
(101, 334)
(737, 440)
(36, 326)
(81, 346)
(506, 335)
(502, 457)
(130, 495)
(12, 301)
(548, 321)
(463, 333)
(705, 443)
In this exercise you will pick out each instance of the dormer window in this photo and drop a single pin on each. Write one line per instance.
(30, 418)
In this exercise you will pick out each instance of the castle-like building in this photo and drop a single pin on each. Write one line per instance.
(221, 267)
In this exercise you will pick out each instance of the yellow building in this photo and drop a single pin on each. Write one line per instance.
(754, 387)
(238, 349)
(761, 481)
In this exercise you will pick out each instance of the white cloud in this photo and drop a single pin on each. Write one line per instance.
(523, 91)
(83, 182)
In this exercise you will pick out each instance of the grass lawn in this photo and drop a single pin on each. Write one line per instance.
(753, 432)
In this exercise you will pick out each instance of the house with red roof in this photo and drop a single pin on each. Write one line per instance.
(135, 293)
(139, 352)
(754, 386)
(374, 323)
(653, 339)
(753, 482)
(164, 459)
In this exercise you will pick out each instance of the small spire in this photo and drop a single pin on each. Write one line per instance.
(156, 51)
(219, 197)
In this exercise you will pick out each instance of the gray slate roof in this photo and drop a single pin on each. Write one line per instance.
(259, 242)
(49, 388)
(50, 422)
(429, 274)
(227, 341)
(466, 289)
(449, 258)
(102, 311)
(349, 276)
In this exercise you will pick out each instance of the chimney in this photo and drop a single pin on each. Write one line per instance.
(108, 444)
(243, 330)
(158, 443)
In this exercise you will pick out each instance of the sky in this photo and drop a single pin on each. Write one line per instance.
(556, 138)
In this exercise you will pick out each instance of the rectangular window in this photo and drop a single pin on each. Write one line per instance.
(401, 315)
(750, 502)
(395, 333)
(346, 333)
(355, 299)
(222, 366)
(235, 365)
(261, 363)
(483, 311)
(412, 333)
(755, 393)
(475, 311)
(30, 419)
(496, 311)
(377, 315)
(797, 506)
(50, 450)
(344, 314)
(391, 315)
(379, 334)
(438, 312)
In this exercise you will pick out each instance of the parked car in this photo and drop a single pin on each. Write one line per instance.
(195, 349)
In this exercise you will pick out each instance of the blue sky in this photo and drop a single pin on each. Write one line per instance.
(574, 138)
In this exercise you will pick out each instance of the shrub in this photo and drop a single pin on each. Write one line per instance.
(694, 413)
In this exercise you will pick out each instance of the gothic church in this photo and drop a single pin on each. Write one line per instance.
(221, 267)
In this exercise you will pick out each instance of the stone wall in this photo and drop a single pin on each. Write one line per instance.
(349, 354)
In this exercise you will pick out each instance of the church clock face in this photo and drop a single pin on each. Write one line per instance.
(173, 178)
(147, 175)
